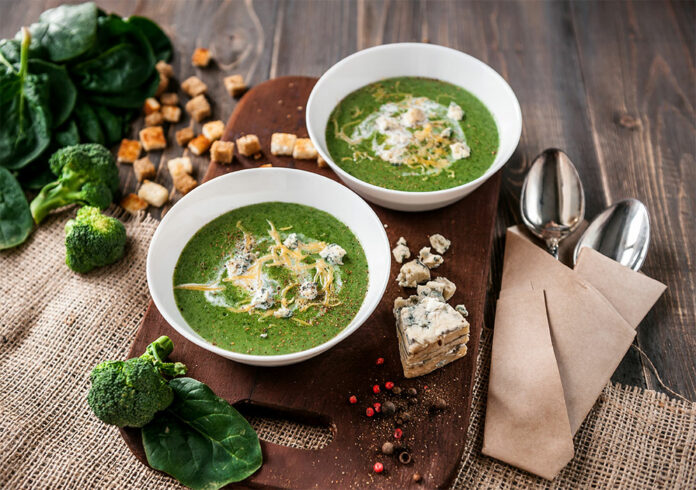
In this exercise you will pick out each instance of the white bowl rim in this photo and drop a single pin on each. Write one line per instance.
(281, 359)
(397, 193)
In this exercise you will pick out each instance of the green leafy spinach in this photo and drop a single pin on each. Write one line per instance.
(200, 439)
(15, 218)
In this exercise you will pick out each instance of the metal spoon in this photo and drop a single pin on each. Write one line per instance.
(552, 201)
(621, 232)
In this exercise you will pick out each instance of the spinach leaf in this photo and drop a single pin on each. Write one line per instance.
(133, 99)
(88, 123)
(15, 218)
(64, 32)
(161, 45)
(25, 130)
(61, 90)
(66, 135)
(119, 69)
(201, 440)
(111, 124)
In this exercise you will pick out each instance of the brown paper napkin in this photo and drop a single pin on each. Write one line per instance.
(525, 395)
(589, 334)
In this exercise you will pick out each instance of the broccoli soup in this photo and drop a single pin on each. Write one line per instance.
(271, 278)
(412, 134)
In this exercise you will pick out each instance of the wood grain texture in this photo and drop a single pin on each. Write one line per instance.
(318, 389)
(613, 83)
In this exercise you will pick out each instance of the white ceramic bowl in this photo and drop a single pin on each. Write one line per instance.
(252, 186)
(414, 60)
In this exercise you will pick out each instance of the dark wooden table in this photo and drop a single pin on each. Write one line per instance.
(612, 83)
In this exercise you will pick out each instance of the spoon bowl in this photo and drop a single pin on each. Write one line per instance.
(621, 232)
(552, 201)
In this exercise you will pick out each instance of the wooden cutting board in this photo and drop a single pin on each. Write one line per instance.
(317, 391)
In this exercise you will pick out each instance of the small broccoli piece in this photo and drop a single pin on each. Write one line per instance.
(87, 174)
(93, 240)
(129, 393)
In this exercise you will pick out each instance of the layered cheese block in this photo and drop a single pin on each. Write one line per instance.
(431, 332)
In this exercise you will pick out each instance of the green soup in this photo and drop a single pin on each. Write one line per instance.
(412, 134)
(271, 278)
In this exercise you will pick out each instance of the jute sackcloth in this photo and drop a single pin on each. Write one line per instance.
(56, 325)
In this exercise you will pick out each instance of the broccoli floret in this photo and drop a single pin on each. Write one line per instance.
(87, 174)
(93, 240)
(129, 393)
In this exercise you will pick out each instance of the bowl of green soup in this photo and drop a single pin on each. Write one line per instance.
(268, 266)
(413, 126)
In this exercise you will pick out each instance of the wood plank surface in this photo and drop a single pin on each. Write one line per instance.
(612, 83)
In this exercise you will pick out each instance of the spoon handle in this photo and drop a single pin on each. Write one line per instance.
(552, 247)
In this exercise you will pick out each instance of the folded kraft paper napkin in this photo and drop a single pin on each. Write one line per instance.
(581, 322)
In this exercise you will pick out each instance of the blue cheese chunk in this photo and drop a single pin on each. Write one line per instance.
(460, 150)
(401, 252)
(308, 290)
(282, 312)
(333, 254)
(440, 243)
(292, 241)
(239, 263)
(430, 260)
(413, 273)
(263, 298)
(454, 111)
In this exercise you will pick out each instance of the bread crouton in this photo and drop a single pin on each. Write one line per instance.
(164, 68)
(144, 169)
(180, 165)
(321, 163)
(194, 86)
(154, 119)
(152, 138)
(132, 203)
(163, 85)
(222, 152)
(169, 98)
(304, 149)
(151, 105)
(199, 145)
(198, 108)
(234, 84)
(171, 113)
(129, 151)
(201, 57)
(183, 136)
(184, 183)
(248, 145)
(153, 193)
(282, 143)
(213, 130)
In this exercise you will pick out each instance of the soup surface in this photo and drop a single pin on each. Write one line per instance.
(271, 278)
(412, 134)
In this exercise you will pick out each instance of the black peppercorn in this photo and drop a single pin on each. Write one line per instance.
(411, 392)
(405, 416)
(405, 457)
(387, 448)
(388, 408)
(440, 404)
(396, 390)
(416, 478)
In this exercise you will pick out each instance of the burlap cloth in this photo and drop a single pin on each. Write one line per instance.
(56, 325)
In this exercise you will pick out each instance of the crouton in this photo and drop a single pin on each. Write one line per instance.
(144, 169)
(171, 113)
(234, 84)
(199, 145)
(132, 203)
(304, 149)
(183, 136)
(213, 130)
(194, 86)
(184, 183)
(321, 163)
(198, 108)
(129, 151)
(282, 143)
(222, 152)
(248, 145)
(152, 138)
(169, 98)
(201, 57)
(164, 68)
(153, 193)
(154, 119)
(163, 85)
(179, 165)
(151, 105)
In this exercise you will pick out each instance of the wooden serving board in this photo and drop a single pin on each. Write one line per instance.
(317, 391)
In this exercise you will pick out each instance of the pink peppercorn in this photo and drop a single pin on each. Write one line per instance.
(378, 467)
(398, 433)
(375, 389)
(380, 361)
(378, 407)
(353, 399)
(389, 385)
(369, 412)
